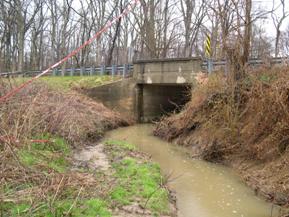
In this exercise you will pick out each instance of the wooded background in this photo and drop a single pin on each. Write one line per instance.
(36, 33)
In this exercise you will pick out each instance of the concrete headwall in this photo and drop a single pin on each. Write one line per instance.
(118, 96)
(156, 88)
(140, 102)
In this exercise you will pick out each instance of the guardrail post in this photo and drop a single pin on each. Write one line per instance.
(54, 72)
(72, 71)
(91, 71)
(102, 70)
(210, 65)
(97, 70)
(124, 71)
(113, 69)
(63, 71)
(81, 71)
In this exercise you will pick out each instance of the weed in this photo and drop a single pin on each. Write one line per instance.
(35, 175)
(121, 195)
(136, 179)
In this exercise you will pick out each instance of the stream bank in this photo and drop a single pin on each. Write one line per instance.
(201, 188)
(51, 163)
(243, 125)
(133, 184)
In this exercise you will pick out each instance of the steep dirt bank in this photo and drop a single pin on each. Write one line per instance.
(244, 125)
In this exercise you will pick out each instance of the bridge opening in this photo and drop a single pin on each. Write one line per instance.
(156, 100)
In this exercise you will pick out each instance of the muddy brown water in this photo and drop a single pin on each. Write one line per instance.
(202, 189)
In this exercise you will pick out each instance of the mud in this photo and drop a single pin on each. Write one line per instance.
(92, 157)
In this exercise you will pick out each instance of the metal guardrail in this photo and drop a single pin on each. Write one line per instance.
(253, 62)
(114, 70)
(126, 69)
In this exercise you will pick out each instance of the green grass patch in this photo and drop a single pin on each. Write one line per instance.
(13, 210)
(140, 180)
(51, 155)
(121, 144)
(80, 208)
(136, 179)
(266, 78)
(66, 83)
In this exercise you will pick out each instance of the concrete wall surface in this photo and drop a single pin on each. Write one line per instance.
(118, 96)
(167, 71)
(157, 87)
(141, 102)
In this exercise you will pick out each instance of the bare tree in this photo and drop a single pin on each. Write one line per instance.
(284, 39)
(193, 16)
(278, 19)
(37, 33)
(24, 20)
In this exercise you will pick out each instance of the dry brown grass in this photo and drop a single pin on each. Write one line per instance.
(40, 109)
(245, 121)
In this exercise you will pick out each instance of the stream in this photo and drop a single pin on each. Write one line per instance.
(202, 189)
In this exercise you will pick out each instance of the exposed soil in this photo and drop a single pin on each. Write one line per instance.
(92, 157)
(244, 125)
(97, 158)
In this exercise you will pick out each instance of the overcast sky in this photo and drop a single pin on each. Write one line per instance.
(267, 5)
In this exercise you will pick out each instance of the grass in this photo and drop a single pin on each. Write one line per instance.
(125, 146)
(82, 208)
(137, 180)
(51, 155)
(44, 157)
(140, 180)
(66, 83)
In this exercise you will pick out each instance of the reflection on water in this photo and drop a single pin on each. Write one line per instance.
(202, 189)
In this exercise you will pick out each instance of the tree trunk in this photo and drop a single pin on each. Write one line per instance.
(21, 44)
(277, 42)
(247, 34)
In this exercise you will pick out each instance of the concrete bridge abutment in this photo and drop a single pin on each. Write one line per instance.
(158, 87)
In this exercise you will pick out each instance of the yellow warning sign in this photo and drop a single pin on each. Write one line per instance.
(208, 50)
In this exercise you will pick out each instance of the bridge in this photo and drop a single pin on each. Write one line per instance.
(155, 88)
(150, 88)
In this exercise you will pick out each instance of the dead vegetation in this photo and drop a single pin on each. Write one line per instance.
(244, 124)
(39, 110)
